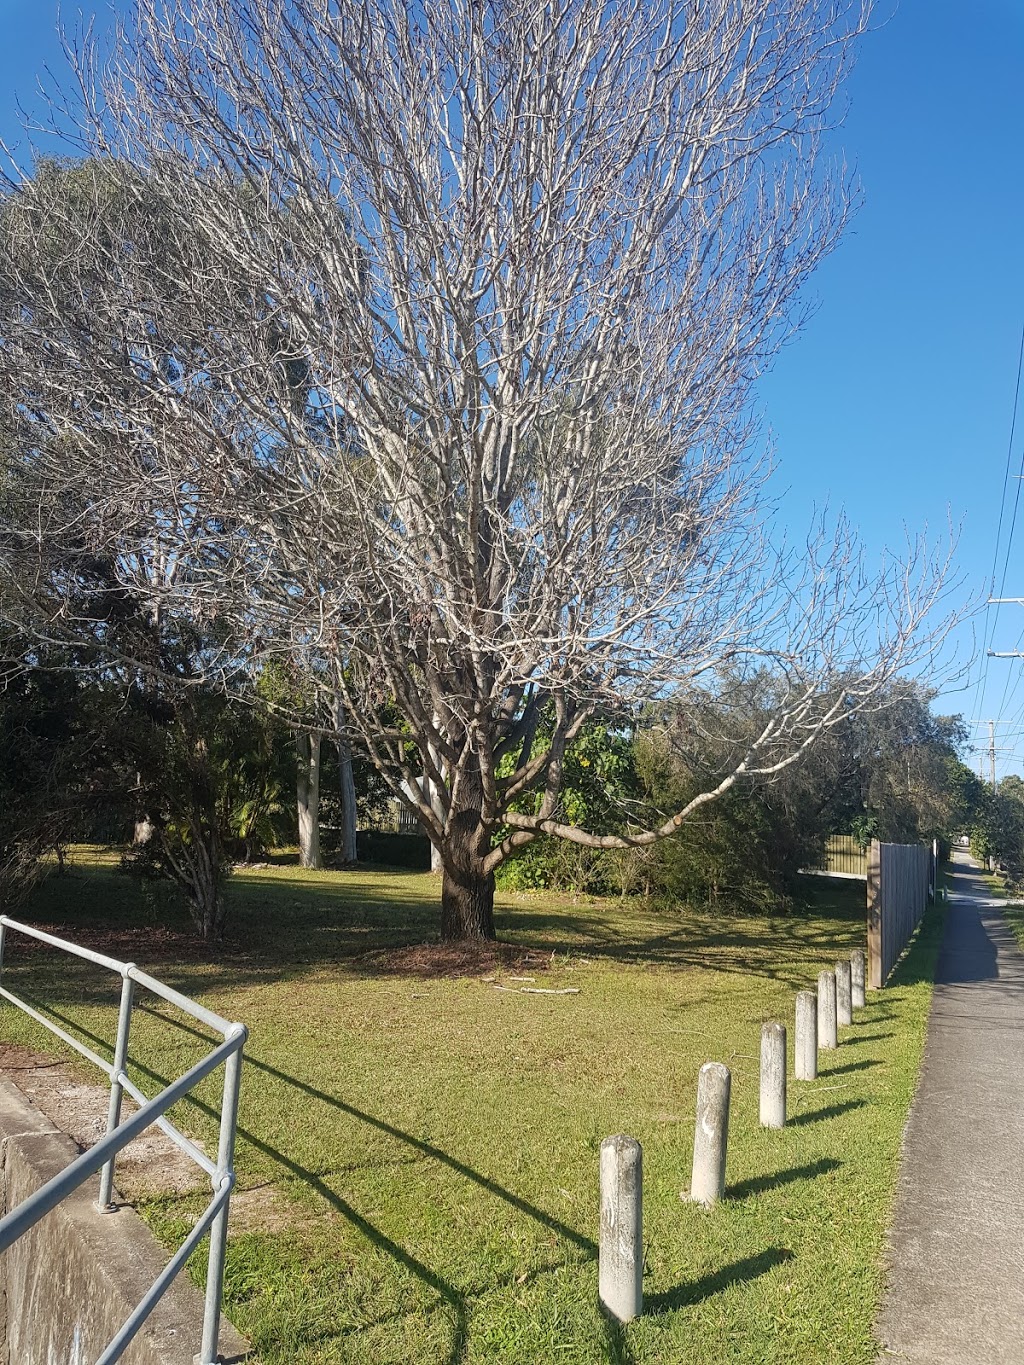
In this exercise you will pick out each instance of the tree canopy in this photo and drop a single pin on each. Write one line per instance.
(416, 345)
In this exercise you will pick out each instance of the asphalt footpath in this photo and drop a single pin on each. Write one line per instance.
(955, 1267)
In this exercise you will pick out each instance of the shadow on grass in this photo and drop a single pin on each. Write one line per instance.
(831, 1112)
(446, 1291)
(282, 921)
(618, 1345)
(759, 1184)
(294, 922)
(918, 964)
(739, 1272)
(867, 1038)
(850, 1066)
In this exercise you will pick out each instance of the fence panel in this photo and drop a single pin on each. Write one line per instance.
(844, 854)
(841, 856)
(899, 878)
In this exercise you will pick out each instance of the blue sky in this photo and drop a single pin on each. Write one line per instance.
(896, 401)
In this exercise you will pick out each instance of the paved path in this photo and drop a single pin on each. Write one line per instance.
(956, 1258)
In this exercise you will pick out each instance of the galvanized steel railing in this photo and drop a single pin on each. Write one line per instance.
(101, 1157)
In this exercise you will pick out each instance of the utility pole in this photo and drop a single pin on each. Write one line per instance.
(992, 752)
(999, 654)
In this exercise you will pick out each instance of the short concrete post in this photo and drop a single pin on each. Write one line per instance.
(620, 1273)
(828, 1034)
(711, 1136)
(844, 994)
(773, 1075)
(857, 975)
(806, 1059)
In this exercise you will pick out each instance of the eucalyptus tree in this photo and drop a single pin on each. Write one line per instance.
(469, 301)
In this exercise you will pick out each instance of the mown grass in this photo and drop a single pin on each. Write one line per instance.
(433, 1142)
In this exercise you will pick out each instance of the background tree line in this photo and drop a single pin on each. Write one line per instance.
(191, 779)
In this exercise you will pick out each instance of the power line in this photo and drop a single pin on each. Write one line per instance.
(988, 637)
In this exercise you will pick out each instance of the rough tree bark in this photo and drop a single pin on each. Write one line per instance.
(434, 798)
(349, 822)
(467, 887)
(307, 794)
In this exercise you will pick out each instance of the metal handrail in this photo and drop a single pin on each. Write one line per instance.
(102, 1156)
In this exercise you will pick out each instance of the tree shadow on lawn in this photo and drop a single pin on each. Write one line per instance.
(778, 948)
(366, 922)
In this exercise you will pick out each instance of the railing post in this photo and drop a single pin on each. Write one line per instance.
(219, 1230)
(124, 1023)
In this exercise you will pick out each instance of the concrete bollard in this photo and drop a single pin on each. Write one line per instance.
(857, 973)
(711, 1135)
(773, 1075)
(806, 1059)
(620, 1274)
(844, 994)
(828, 1034)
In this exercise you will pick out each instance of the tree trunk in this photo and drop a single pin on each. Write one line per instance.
(349, 818)
(349, 822)
(467, 904)
(307, 793)
(208, 912)
(197, 865)
(436, 861)
(434, 797)
(467, 891)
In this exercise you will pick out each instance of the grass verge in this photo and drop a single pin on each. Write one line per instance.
(423, 1148)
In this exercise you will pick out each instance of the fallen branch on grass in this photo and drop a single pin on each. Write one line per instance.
(535, 990)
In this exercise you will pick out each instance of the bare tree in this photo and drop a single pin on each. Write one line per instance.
(436, 374)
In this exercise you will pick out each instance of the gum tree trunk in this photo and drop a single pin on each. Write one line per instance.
(346, 779)
(349, 816)
(436, 861)
(307, 791)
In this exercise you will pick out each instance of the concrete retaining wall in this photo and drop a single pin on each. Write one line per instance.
(69, 1284)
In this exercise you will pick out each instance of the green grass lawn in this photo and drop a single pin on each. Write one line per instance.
(428, 1146)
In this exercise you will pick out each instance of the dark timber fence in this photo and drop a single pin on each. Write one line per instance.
(900, 879)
